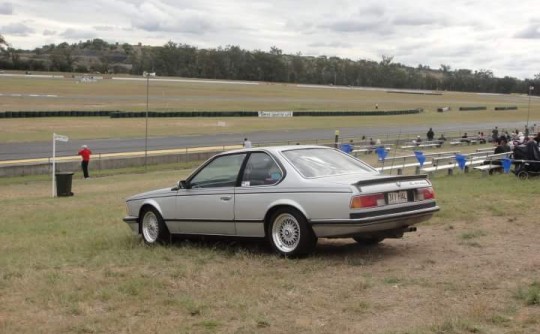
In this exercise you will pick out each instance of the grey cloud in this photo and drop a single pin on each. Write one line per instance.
(530, 32)
(163, 17)
(457, 52)
(407, 20)
(359, 26)
(48, 32)
(77, 34)
(374, 10)
(348, 26)
(18, 29)
(104, 28)
(193, 25)
(6, 8)
(330, 44)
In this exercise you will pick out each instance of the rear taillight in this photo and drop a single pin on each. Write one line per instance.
(423, 194)
(367, 201)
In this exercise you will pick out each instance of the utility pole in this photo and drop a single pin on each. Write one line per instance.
(147, 75)
(531, 88)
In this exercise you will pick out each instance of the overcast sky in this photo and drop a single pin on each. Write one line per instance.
(498, 35)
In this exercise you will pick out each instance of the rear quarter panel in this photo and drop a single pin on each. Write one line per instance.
(252, 203)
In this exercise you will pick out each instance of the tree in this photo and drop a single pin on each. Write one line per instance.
(3, 43)
(234, 63)
(445, 68)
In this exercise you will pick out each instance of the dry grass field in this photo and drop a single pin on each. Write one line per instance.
(70, 265)
(173, 95)
(130, 95)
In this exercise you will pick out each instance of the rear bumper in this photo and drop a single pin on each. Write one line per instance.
(374, 223)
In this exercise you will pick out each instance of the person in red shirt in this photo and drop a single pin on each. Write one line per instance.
(85, 153)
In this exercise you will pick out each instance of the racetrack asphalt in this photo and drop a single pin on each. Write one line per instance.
(34, 150)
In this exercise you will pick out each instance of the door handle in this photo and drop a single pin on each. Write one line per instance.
(225, 198)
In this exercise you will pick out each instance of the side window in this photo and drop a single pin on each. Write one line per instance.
(220, 172)
(260, 170)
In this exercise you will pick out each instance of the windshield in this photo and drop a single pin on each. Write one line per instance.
(317, 162)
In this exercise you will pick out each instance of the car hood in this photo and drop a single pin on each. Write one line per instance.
(149, 194)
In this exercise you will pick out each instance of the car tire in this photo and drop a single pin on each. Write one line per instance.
(289, 234)
(153, 228)
(368, 241)
(523, 175)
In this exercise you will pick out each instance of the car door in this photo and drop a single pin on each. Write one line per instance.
(256, 192)
(207, 206)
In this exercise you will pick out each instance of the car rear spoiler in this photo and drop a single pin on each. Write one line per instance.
(387, 179)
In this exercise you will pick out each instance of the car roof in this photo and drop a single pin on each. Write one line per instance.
(276, 149)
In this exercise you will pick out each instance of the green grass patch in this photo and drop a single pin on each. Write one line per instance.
(530, 295)
(472, 235)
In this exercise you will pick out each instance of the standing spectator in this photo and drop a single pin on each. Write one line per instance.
(85, 153)
(371, 145)
(247, 143)
(430, 134)
(495, 134)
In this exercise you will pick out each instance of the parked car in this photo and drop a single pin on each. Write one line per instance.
(290, 195)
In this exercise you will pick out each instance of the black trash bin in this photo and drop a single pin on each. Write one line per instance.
(63, 184)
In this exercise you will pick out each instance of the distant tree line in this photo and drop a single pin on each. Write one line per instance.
(234, 63)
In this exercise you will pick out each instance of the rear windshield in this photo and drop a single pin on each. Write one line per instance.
(317, 162)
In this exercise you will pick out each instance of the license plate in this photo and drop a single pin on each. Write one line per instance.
(397, 197)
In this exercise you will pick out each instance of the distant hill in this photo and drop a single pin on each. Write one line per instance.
(234, 63)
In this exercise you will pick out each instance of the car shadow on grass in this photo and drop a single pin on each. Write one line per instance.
(335, 249)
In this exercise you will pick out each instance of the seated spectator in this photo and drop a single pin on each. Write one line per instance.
(537, 138)
(520, 137)
(417, 141)
(465, 138)
(502, 147)
(442, 137)
(481, 138)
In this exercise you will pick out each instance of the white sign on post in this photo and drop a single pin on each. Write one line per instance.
(62, 139)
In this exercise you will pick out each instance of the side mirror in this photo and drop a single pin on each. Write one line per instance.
(182, 184)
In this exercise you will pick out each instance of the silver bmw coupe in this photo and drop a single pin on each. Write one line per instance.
(290, 195)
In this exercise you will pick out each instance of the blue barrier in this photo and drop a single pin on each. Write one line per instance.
(506, 164)
(347, 148)
(420, 157)
(381, 153)
(461, 160)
